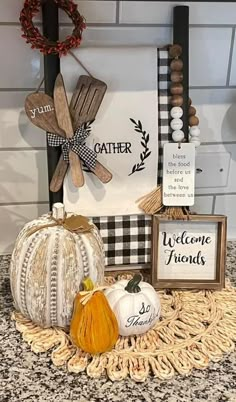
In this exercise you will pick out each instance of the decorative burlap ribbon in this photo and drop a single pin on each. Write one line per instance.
(74, 223)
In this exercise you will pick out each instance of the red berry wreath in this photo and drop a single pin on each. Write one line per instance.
(38, 41)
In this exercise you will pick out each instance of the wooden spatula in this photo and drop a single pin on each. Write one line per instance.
(86, 100)
(84, 106)
(64, 122)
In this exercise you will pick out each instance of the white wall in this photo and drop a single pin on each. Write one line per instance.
(23, 179)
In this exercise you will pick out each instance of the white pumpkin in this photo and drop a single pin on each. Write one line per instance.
(48, 265)
(135, 304)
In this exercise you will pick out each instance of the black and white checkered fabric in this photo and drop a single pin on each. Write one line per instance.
(75, 144)
(163, 107)
(127, 239)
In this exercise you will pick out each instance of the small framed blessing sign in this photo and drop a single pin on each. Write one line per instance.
(189, 253)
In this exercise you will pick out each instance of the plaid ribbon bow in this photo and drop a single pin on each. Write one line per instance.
(76, 144)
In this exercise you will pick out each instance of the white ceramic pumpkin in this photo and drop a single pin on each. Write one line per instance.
(135, 304)
(49, 263)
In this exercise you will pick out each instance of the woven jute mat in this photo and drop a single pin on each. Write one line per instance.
(196, 327)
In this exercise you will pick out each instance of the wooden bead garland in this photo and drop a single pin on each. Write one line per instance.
(176, 101)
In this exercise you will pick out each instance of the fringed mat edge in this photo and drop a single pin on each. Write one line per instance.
(137, 356)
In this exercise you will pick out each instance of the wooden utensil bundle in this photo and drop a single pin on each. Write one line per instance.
(56, 117)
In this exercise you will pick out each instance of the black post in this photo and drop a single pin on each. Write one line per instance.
(181, 37)
(51, 69)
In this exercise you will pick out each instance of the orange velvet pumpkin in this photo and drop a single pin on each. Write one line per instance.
(94, 327)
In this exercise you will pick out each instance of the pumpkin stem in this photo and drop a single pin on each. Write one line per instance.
(88, 284)
(133, 285)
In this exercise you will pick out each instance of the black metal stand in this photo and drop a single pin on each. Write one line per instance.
(181, 37)
(51, 69)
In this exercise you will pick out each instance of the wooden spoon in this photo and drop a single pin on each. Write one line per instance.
(40, 110)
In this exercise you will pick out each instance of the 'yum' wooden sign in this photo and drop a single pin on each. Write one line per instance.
(40, 110)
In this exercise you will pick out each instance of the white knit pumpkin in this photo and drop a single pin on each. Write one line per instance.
(47, 268)
(135, 304)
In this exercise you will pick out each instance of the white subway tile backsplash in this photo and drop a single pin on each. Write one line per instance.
(23, 176)
(94, 11)
(202, 205)
(13, 218)
(209, 51)
(212, 169)
(213, 96)
(16, 129)
(225, 205)
(142, 12)
(123, 36)
(10, 11)
(145, 12)
(21, 67)
(221, 149)
(216, 109)
(160, 12)
(232, 80)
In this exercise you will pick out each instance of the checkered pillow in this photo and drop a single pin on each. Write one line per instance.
(127, 239)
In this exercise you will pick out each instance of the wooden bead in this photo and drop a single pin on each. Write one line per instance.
(175, 51)
(176, 76)
(178, 136)
(176, 100)
(176, 89)
(189, 101)
(195, 141)
(176, 124)
(193, 121)
(191, 111)
(194, 131)
(177, 65)
(176, 112)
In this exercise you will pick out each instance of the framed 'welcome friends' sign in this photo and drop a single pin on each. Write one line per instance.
(189, 253)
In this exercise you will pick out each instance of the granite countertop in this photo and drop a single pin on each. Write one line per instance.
(24, 376)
